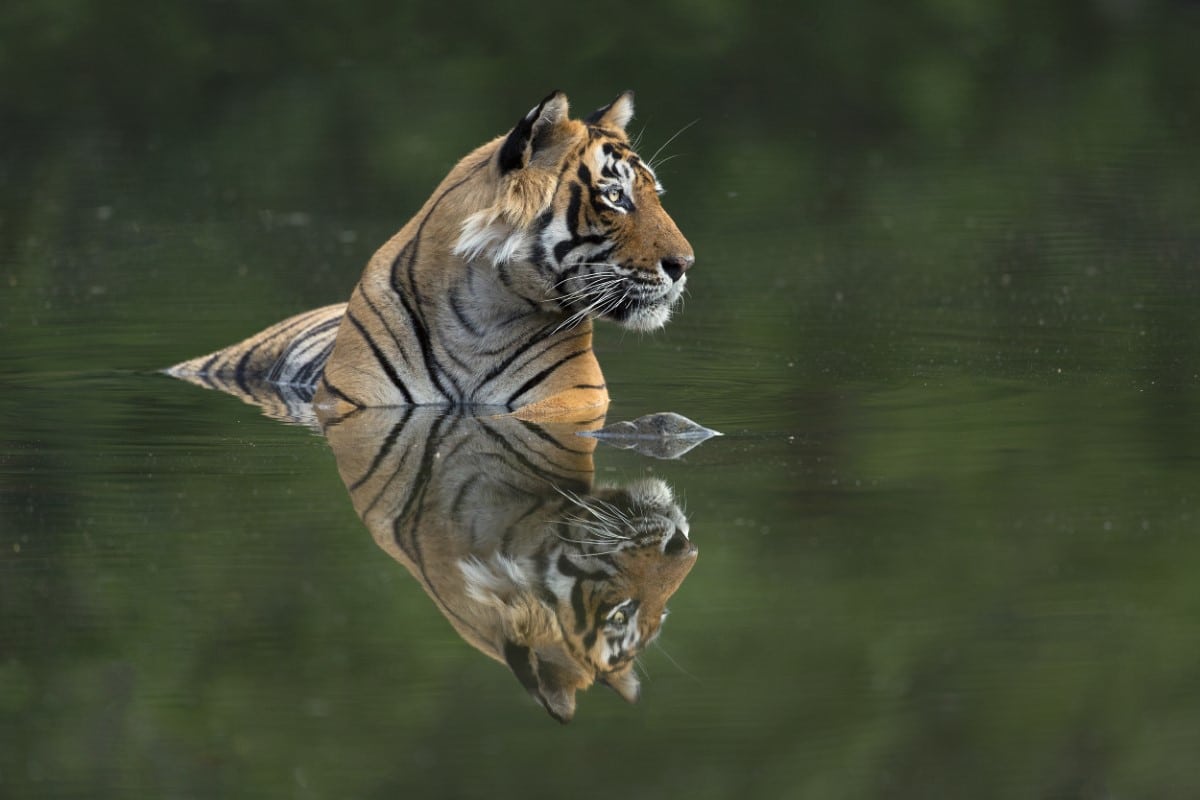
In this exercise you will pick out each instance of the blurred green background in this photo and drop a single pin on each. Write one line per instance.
(944, 309)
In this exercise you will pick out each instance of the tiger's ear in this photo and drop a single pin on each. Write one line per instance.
(549, 684)
(531, 130)
(624, 683)
(614, 115)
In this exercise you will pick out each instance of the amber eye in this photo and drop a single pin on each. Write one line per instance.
(618, 618)
(614, 195)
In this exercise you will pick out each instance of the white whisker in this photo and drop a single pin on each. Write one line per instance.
(650, 160)
(598, 530)
(665, 160)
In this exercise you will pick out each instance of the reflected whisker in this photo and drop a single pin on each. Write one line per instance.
(657, 643)
(587, 541)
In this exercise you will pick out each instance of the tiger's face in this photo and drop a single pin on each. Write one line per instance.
(577, 226)
(612, 249)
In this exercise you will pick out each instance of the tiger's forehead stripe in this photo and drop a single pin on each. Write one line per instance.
(609, 164)
(622, 164)
(618, 162)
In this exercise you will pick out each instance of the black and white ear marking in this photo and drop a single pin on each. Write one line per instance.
(547, 684)
(614, 115)
(518, 658)
(518, 148)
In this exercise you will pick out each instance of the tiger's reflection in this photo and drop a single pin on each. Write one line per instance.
(564, 582)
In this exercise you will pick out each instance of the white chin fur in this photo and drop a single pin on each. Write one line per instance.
(652, 317)
(647, 319)
(651, 492)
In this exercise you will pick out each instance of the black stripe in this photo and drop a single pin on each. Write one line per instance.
(415, 504)
(207, 364)
(548, 475)
(301, 340)
(572, 217)
(564, 248)
(566, 567)
(541, 376)
(520, 336)
(416, 494)
(461, 315)
(239, 372)
(417, 321)
(541, 433)
(383, 320)
(585, 175)
(524, 348)
(551, 467)
(289, 325)
(577, 606)
(386, 491)
(410, 251)
(517, 658)
(315, 367)
(460, 495)
(518, 525)
(388, 443)
(338, 393)
(383, 362)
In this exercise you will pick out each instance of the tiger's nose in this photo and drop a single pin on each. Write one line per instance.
(675, 266)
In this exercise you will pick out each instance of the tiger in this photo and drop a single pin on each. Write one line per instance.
(486, 297)
(497, 518)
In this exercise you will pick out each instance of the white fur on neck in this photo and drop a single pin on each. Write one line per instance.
(486, 234)
(493, 584)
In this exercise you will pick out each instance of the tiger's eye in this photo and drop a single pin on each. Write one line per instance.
(618, 618)
(614, 194)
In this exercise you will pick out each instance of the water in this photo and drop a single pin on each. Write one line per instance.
(947, 542)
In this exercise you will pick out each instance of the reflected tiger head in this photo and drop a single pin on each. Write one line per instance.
(600, 592)
(498, 521)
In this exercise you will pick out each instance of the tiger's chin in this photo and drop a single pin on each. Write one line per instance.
(646, 314)
(646, 319)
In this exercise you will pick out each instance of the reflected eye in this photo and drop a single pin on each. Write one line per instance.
(618, 618)
(614, 194)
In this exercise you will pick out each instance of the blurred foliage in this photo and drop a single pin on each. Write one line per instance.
(944, 307)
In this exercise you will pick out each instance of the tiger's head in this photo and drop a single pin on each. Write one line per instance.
(574, 221)
(601, 593)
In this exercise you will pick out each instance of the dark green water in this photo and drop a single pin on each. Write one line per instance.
(945, 311)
